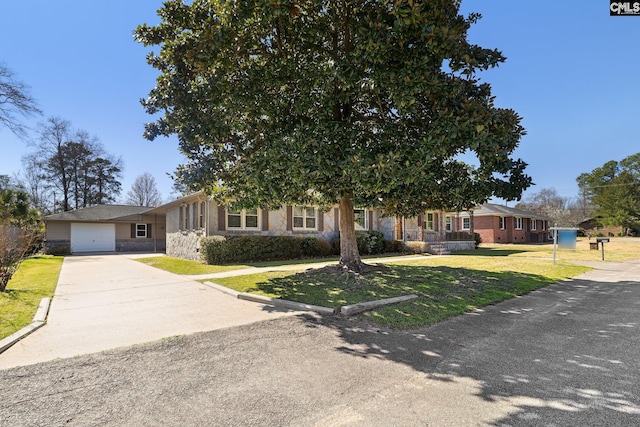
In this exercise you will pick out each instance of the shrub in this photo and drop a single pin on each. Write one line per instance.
(393, 246)
(362, 240)
(376, 242)
(16, 243)
(224, 250)
(210, 247)
(335, 246)
(314, 247)
(415, 247)
(478, 239)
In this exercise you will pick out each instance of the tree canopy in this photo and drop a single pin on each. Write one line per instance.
(322, 103)
(564, 211)
(70, 169)
(614, 190)
(144, 191)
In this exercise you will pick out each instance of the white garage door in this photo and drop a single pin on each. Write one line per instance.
(93, 237)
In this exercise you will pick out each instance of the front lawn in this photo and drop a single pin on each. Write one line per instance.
(36, 278)
(619, 249)
(188, 267)
(446, 286)
(185, 266)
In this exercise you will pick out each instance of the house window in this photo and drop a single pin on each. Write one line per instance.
(201, 216)
(304, 218)
(448, 223)
(360, 219)
(517, 223)
(534, 225)
(184, 217)
(141, 230)
(501, 222)
(429, 222)
(194, 214)
(544, 225)
(243, 219)
(466, 223)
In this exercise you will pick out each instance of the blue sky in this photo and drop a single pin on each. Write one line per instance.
(571, 73)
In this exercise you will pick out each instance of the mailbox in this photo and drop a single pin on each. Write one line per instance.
(601, 241)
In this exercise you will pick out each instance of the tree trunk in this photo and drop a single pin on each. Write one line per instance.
(349, 255)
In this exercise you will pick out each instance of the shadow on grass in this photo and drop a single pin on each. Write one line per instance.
(278, 263)
(490, 252)
(13, 294)
(331, 259)
(442, 291)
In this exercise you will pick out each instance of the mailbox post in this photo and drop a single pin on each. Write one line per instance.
(601, 241)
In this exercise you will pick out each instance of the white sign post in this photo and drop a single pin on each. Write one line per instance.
(564, 237)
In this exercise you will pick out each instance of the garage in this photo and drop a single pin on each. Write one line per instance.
(93, 237)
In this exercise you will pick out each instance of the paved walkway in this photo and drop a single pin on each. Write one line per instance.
(109, 301)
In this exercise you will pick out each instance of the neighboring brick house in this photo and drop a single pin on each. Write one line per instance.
(105, 228)
(502, 224)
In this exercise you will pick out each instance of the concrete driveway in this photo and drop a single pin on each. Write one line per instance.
(109, 301)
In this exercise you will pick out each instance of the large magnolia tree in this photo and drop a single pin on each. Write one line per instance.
(323, 102)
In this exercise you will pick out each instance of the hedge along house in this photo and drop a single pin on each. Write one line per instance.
(502, 224)
(105, 228)
(192, 217)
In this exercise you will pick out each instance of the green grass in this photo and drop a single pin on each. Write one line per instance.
(619, 249)
(187, 267)
(36, 278)
(252, 283)
(446, 286)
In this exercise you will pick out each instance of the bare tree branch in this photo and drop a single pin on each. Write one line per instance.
(15, 103)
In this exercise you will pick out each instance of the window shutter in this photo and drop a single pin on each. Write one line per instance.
(320, 221)
(133, 231)
(222, 218)
(289, 218)
(265, 220)
(420, 221)
(336, 219)
(370, 221)
(149, 233)
(436, 222)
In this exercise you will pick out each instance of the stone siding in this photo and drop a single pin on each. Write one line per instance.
(184, 245)
(57, 247)
(462, 245)
(140, 245)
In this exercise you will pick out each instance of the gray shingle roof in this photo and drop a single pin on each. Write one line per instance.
(501, 210)
(98, 213)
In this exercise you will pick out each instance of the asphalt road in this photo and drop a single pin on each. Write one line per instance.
(566, 355)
